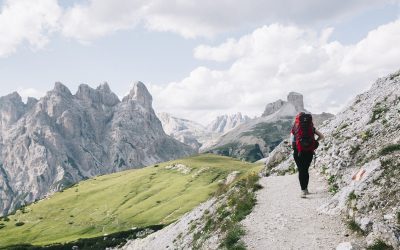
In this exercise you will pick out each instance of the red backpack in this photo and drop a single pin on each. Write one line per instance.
(303, 131)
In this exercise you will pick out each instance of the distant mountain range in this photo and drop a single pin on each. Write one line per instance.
(254, 139)
(51, 143)
(200, 137)
(238, 135)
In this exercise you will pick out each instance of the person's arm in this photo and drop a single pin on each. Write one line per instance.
(320, 135)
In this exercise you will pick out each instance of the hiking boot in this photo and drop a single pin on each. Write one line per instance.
(306, 191)
(303, 193)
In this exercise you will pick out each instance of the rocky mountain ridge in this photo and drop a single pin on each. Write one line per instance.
(51, 143)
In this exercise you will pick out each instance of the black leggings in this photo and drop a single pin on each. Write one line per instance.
(303, 163)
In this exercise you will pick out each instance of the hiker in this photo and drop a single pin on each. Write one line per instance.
(304, 143)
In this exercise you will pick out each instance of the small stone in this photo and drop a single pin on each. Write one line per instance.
(345, 246)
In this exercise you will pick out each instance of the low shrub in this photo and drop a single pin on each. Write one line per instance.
(20, 223)
(233, 236)
(365, 135)
(389, 149)
(353, 226)
(352, 196)
(379, 245)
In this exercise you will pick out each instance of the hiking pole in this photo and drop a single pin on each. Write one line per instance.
(315, 158)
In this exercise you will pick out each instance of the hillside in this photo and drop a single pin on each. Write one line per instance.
(63, 138)
(159, 194)
(359, 159)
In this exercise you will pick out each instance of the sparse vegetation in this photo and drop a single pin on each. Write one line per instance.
(378, 111)
(352, 196)
(343, 126)
(323, 170)
(117, 202)
(333, 187)
(389, 149)
(365, 135)
(232, 240)
(353, 226)
(379, 245)
(354, 149)
(238, 203)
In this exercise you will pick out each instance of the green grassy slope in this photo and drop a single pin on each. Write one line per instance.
(120, 201)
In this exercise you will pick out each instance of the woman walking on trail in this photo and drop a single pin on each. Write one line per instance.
(304, 144)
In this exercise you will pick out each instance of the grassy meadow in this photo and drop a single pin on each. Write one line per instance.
(118, 202)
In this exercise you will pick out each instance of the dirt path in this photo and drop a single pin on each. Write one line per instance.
(283, 220)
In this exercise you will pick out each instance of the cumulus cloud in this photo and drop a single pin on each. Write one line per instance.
(276, 59)
(98, 18)
(191, 18)
(27, 21)
(31, 21)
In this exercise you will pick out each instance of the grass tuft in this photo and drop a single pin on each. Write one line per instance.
(353, 226)
(379, 245)
(389, 149)
(232, 240)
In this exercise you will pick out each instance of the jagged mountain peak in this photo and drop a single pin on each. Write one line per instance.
(293, 105)
(140, 94)
(297, 100)
(61, 89)
(13, 97)
(102, 94)
(104, 87)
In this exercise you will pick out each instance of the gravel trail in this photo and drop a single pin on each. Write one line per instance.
(282, 219)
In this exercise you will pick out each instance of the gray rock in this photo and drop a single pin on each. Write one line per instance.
(345, 246)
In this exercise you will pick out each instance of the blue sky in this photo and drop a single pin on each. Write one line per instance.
(184, 50)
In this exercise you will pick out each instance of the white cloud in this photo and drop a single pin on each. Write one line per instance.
(30, 92)
(31, 20)
(27, 21)
(98, 18)
(276, 59)
(192, 18)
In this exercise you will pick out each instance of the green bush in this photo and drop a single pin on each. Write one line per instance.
(353, 226)
(20, 223)
(389, 149)
(2, 225)
(352, 196)
(378, 112)
(233, 237)
(354, 149)
(379, 245)
(365, 135)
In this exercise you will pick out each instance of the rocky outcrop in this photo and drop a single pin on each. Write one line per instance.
(292, 106)
(51, 143)
(360, 159)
